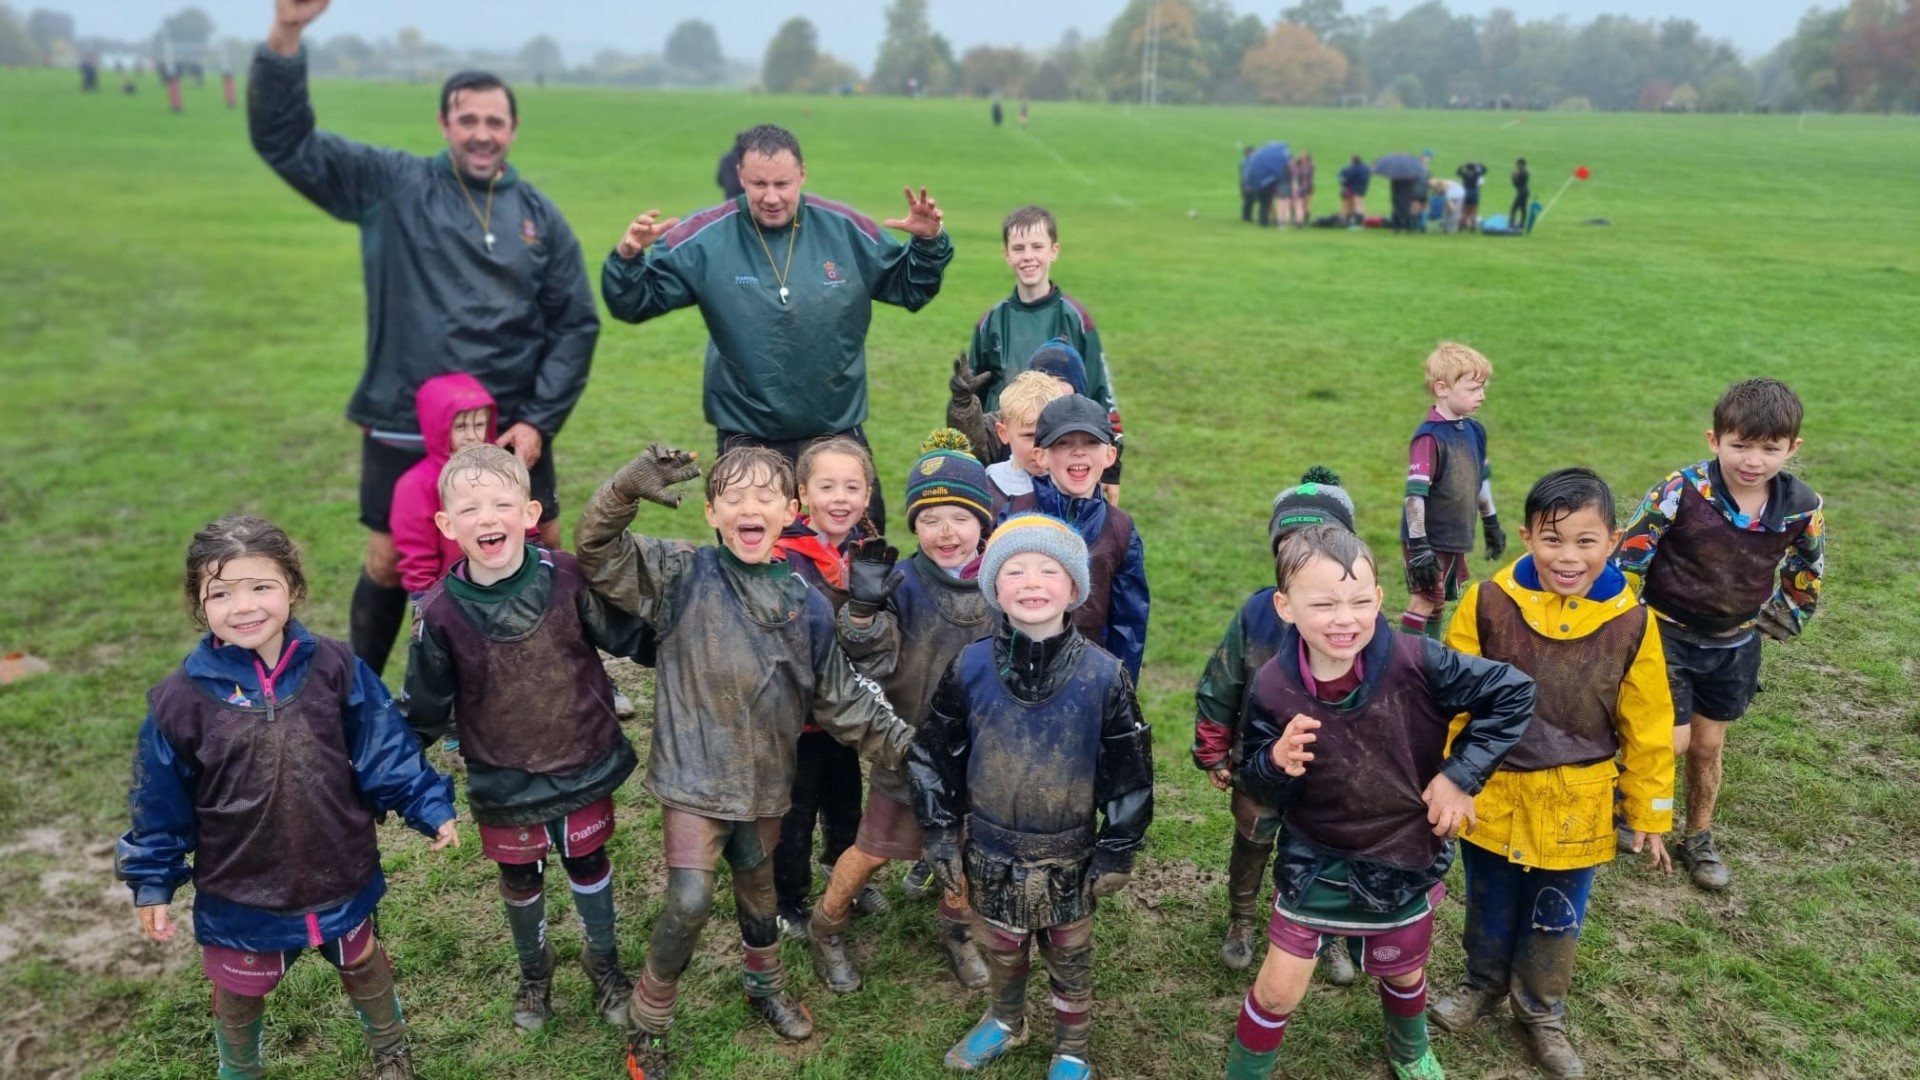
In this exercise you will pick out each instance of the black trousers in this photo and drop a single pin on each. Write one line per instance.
(826, 788)
(1402, 192)
(791, 448)
(1517, 213)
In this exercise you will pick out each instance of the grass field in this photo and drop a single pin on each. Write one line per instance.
(180, 332)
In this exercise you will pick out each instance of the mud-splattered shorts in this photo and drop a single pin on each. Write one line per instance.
(255, 974)
(888, 829)
(582, 832)
(1399, 950)
(697, 842)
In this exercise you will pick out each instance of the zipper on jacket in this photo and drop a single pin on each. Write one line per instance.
(266, 678)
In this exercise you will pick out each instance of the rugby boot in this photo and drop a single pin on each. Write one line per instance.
(533, 999)
(792, 919)
(1069, 1067)
(827, 939)
(611, 987)
(1246, 880)
(1236, 948)
(1338, 961)
(1702, 859)
(919, 882)
(963, 954)
(1458, 1011)
(784, 1013)
(870, 901)
(1425, 1067)
(1552, 1050)
(395, 1063)
(647, 1057)
(989, 1039)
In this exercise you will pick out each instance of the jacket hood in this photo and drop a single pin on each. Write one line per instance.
(443, 397)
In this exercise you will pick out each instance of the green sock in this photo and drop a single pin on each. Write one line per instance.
(1244, 1064)
(596, 918)
(1406, 1035)
(240, 1048)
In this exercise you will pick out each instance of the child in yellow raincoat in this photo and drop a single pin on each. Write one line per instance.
(1564, 615)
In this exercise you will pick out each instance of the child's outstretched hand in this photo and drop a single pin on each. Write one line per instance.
(155, 922)
(871, 576)
(1449, 810)
(966, 385)
(447, 837)
(1656, 848)
(1290, 753)
(1221, 778)
(653, 473)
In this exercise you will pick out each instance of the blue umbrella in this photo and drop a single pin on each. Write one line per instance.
(1267, 165)
(1399, 167)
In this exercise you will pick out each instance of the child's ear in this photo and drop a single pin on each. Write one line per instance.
(1280, 606)
(1113, 454)
(1000, 429)
(443, 523)
(793, 508)
(711, 523)
(1713, 441)
(532, 512)
(1613, 538)
(1795, 448)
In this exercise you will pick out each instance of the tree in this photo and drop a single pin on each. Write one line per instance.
(188, 28)
(541, 55)
(1225, 41)
(1181, 76)
(791, 57)
(1294, 67)
(49, 29)
(693, 53)
(1440, 50)
(911, 54)
(16, 45)
(1730, 90)
(986, 70)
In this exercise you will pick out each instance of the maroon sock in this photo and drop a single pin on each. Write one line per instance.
(1413, 623)
(1407, 1001)
(1259, 1030)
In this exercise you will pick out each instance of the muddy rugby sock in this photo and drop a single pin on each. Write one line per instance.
(374, 621)
(593, 902)
(1404, 1008)
(239, 1033)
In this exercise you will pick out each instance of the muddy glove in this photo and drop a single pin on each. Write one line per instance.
(1496, 536)
(942, 850)
(1423, 567)
(650, 475)
(1108, 877)
(966, 385)
(871, 576)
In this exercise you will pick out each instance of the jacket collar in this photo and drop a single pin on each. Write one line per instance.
(1087, 516)
(1564, 618)
(1053, 293)
(227, 665)
(1373, 659)
(1609, 584)
(968, 579)
(443, 163)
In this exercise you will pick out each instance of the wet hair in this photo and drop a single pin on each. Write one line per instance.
(461, 82)
(1027, 395)
(833, 444)
(238, 536)
(1758, 409)
(748, 465)
(1452, 361)
(768, 140)
(1302, 546)
(1026, 218)
(496, 461)
(1567, 491)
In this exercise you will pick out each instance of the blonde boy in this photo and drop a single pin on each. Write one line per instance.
(1448, 485)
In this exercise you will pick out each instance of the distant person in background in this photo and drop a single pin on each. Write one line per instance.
(1452, 195)
(998, 114)
(1023, 116)
(727, 175)
(466, 267)
(1249, 194)
(1401, 192)
(1302, 190)
(1522, 195)
(1353, 191)
(1418, 207)
(89, 75)
(1472, 175)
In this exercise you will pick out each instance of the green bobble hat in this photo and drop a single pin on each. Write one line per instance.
(1318, 500)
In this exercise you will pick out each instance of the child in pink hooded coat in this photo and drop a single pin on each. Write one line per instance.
(455, 412)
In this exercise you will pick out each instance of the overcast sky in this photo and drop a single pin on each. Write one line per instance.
(849, 29)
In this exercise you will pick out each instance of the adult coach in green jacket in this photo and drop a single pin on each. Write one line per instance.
(467, 268)
(786, 284)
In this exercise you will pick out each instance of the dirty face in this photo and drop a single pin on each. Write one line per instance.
(1075, 462)
(469, 429)
(1570, 552)
(949, 535)
(773, 187)
(248, 604)
(1749, 464)
(1019, 439)
(1034, 590)
(479, 127)
(836, 495)
(489, 518)
(1030, 252)
(1461, 397)
(749, 515)
(1334, 608)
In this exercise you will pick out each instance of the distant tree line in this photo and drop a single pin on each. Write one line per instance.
(1863, 57)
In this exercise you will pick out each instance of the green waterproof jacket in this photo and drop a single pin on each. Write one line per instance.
(780, 369)
(517, 315)
(1007, 336)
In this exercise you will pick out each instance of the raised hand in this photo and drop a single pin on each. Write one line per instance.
(1290, 753)
(966, 385)
(871, 576)
(653, 473)
(643, 232)
(923, 217)
(290, 17)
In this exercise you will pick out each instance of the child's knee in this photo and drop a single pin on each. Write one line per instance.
(236, 1008)
(1411, 978)
(522, 883)
(689, 900)
(588, 870)
(1282, 982)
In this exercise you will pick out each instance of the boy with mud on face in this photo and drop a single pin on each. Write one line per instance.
(1032, 737)
(747, 654)
(1347, 736)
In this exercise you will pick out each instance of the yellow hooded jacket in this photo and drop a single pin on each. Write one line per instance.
(1562, 818)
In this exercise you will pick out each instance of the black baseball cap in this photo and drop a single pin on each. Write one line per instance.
(1074, 412)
